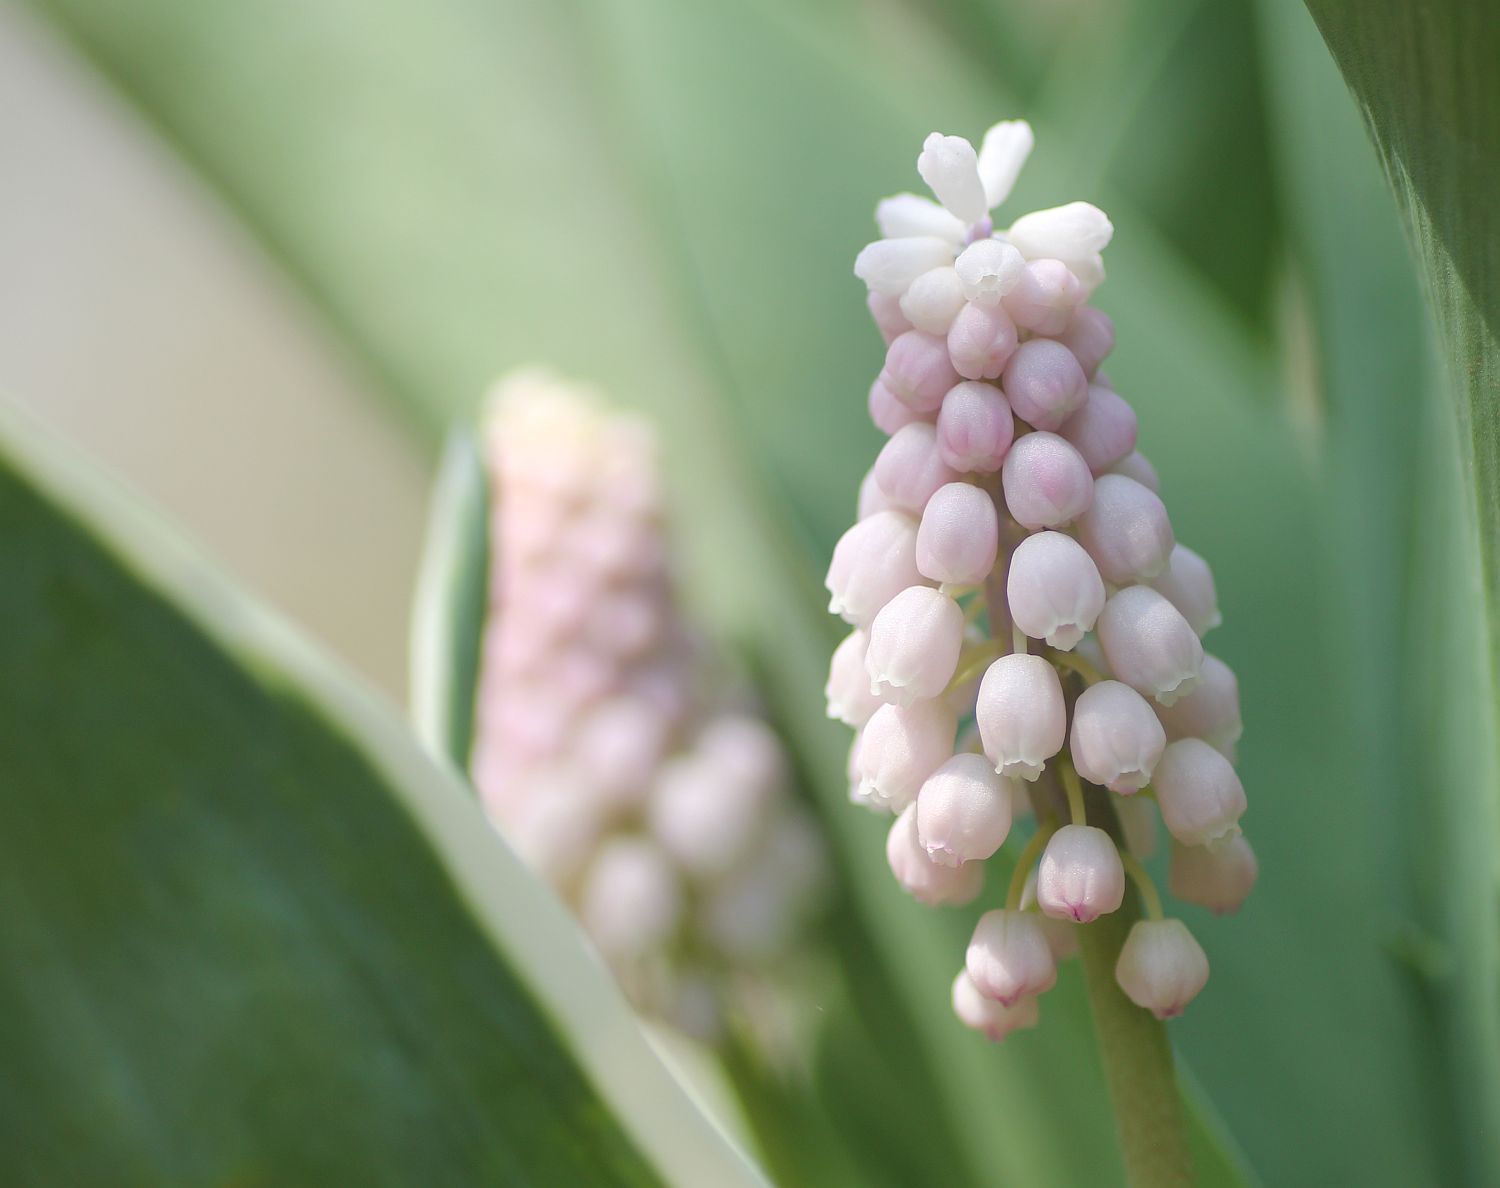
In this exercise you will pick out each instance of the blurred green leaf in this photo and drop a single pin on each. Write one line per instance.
(252, 935)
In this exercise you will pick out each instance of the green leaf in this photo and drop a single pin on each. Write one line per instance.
(252, 934)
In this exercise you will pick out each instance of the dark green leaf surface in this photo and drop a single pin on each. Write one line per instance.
(250, 935)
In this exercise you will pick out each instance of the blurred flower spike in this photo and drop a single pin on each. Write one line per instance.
(1026, 630)
(659, 811)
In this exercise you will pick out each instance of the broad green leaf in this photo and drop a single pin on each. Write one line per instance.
(252, 934)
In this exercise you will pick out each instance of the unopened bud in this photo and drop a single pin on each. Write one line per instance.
(987, 270)
(950, 167)
(904, 215)
(1002, 153)
(981, 341)
(909, 468)
(925, 880)
(1188, 584)
(871, 498)
(1044, 384)
(1090, 335)
(987, 1016)
(1149, 645)
(1200, 796)
(914, 645)
(1219, 879)
(848, 690)
(1103, 430)
(1161, 967)
(885, 309)
(1047, 483)
(1044, 297)
(1210, 712)
(1021, 714)
(703, 817)
(918, 371)
(888, 266)
(1074, 232)
(963, 811)
(888, 413)
(1080, 877)
(1116, 738)
(1008, 957)
(1136, 466)
(959, 536)
(1126, 530)
(1054, 589)
(900, 746)
(933, 300)
(975, 427)
(873, 562)
(630, 901)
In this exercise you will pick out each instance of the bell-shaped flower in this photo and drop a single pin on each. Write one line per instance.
(1199, 793)
(1126, 530)
(1219, 879)
(1116, 739)
(900, 746)
(872, 562)
(914, 646)
(1188, 584)
(1210, 712)
(909, 467)
(1149, 645)
(848, 689)
(1080, 876)
(1161, 967)
(1053, 589)
(987, 1016)
(1009, 958)
(1046, 481)
(959, 536)
(963, 811)
(927, 881)
(1021, 714)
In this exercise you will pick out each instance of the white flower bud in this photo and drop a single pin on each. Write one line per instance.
(1126, 530)
(974, 427)
(1080, 877)
(888, 413)
(909, 467)
(963, 811)
(885, 309)
(1103, 430)
(1044, 298)
(1008, 957)
(1188, 584)
(980, 341)
(933, 300)
(900, 746)
(744, 748)
(630, 902)
(987, 1016)
(914, 646)
(1161, 967)
(1021, 714)
(918, 371)
(987, 270)
(1149, 645)
(1210, 712)
(871, 498)
(950, 167)
(1200, 796)
(1116, 738)
(959, 536)
(1136, 466)
(848, 690)
(1219, 879)
(890, 265)
(924, 879)
(1002, 153)
(1090, 335)
(1138, 823)
(1072, 233)
(1044, 383)
(703, 817)
(873, 562)
(904, 215)
(1047, 483)
(1053, 589)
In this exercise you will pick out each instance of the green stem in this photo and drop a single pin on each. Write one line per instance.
(1076, 811)
(1024, 863)
(1137, 1057)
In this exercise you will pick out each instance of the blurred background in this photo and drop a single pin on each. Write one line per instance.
(256, 257)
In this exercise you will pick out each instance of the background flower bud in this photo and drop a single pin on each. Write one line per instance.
(1149, 645)
(959, 536)
(909, 468)
(631, 901)
(987, 270)
(1103, 430)
(981, 340)
(1200, 796)
(1008, 957)
(1116, 739)
(1046, 481)
(871, 498)
(921, 877)
(933, 300)
(848, 690)
(1210, 712)
(1044, 383)
(1161, 967)
(1090, 335)
(1044, 297)
(1080, 877)
(917, 370)
(1021, 714)
(1219, 879)
(705, 817)
(873, 562)
(1188, 584)
(986, 1015)
(1053, 589)
(963, 811)
(899, 748)
(1126, 530)
(974, 427)
(914, 645)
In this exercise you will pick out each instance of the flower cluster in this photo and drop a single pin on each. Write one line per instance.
(1013, 567)
(662, 818)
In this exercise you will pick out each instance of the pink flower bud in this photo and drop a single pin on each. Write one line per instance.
(888, 413)
(1044, 297)
(1053, 589)
(975, 427)
(904, 215)
(1022, 718)
(1126, 530)
(630, 901)
(1219, 879)
(848, 690)
(914, 646)
(987, 1016)
(987, 270)
(1161, 967)
(1044, 384)
(1210, 712)
(1200, 796)
(1188, 584)
(924, 879)
(981, 340)
(933, 300)
(888, 266)
(918, 371)
(950, 167)
(1080, 877)
(1090, 335)
(871, 498)
(873, 562)
(959, 536)
(1149, 645)
(900, 746)
(909, 468)
(1136, 466)
(1116, 739)
(1103, 430)
(1008, 957)
(1047, 483)
(885, 309)
(963, 811)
